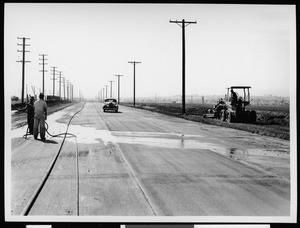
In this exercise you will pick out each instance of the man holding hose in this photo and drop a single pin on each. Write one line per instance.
(40, 115)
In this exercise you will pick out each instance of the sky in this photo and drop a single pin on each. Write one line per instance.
(251, 45)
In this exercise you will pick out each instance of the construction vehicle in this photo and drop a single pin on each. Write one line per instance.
(233, 107)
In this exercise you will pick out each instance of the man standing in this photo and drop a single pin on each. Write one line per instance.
(40, 115)
(30, 114)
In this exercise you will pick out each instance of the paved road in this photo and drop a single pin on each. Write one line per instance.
(137, 162)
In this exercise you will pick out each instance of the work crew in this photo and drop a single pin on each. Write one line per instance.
(40, 115)
(30, 114)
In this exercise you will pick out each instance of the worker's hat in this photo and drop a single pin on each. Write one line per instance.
(31, 98)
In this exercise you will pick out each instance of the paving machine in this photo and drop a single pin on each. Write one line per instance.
(233, 107)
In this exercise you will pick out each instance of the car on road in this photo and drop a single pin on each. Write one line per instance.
(110, 104)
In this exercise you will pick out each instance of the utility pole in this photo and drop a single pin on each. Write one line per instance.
(106, 91)
(60, 84)
(134, 62)
(43, 70)
(53, 73)
(183, 24)
(72, 87)
(118, 75)
(64, 88)
(71, 92)
(23, 62)
(103, 94)
(68, 83)
(111, 88)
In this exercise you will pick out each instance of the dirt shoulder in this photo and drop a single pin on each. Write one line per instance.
(271, 121)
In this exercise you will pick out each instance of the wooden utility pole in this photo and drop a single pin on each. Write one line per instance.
(111, 88)
(68, 83)
(106, 91)
(64, 88)
(134, 62)
(43, 70)
(23, 63)
(53, 74)
(103, 94)
(118, 75)
(72, 93)
(60, 84)
(183, 24)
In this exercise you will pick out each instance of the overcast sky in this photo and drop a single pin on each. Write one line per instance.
(91, 43)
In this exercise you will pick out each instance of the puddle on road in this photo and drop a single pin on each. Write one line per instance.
(237, 154)
(152, 139)
(88, 134)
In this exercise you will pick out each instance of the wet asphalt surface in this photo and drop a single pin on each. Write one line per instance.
(140, 163)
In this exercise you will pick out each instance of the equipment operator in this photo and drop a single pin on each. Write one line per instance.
(40, 115)
(233, 98)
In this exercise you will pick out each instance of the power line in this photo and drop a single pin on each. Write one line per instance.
(134, 63)
(183, 24)
(23, 62)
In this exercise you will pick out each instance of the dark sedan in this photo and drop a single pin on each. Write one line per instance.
(110, 104)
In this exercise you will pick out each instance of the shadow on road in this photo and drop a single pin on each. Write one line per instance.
(48, 141)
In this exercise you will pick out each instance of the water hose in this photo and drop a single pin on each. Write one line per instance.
(32, 200)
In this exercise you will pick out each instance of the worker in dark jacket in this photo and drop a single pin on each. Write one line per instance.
(30, 114)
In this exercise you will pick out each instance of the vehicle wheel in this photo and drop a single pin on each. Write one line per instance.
(222, 115)
(229, 118)
(247, 116)
(253, 116)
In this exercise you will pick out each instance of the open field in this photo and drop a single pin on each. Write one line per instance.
(271, 120)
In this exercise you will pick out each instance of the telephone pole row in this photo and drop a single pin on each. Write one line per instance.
(23, 61)
(183, 24)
